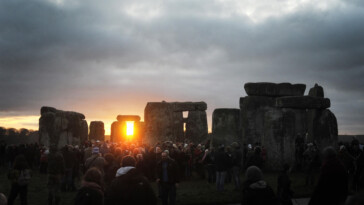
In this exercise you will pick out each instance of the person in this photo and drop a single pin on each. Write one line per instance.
(3, 200)
(332, 185)
(69, 162)
(130, 186)
(55, 172)
(168, 178)
(95, 160)
(255, 190)
(284, 191)
(357, 199)
(20, 176)
(110, 168)
(209, 160)
(358, 157)
(91, 191)
(237, 156)
(311, 158)
(223, 162)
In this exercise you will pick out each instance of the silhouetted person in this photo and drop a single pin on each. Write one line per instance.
(96, 160)
(55, 171)
(3, 199)
(130, 186)
(236, 156)
(110, 168)
(168, 179)
(255, 158)
(209, 160)
(69, 163)
(223, 162)
(255, 190)
(91, 191)
(311, 158)
(20, 176)
(284, 192)
(332, 185)
(357, 199)
(358, 156)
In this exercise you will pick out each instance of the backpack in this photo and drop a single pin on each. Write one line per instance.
(87, 196)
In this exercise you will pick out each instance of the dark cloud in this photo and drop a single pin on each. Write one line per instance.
(77, 54)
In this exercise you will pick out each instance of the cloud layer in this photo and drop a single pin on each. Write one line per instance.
(104, 59)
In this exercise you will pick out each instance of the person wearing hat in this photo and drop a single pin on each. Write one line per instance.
(95, 160)
(255, 190)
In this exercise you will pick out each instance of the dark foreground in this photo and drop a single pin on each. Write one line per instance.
(192, 191)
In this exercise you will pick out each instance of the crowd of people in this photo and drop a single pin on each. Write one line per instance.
(120, 173)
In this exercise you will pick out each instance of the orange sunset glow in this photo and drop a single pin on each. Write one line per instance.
(129, 128)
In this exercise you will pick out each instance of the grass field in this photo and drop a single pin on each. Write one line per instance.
(193, 191)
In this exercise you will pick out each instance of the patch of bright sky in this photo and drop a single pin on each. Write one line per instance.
(256, 11)
(18, 122)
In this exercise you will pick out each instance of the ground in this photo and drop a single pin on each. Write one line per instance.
(193, 191)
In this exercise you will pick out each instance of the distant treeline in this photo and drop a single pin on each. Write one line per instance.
(15, 136)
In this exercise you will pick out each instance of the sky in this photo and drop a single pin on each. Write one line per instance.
(105, 58)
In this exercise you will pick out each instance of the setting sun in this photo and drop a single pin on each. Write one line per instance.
(129, 128)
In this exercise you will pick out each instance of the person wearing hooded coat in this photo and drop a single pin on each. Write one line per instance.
(130, 186)
(255, 190)
(332, 186)
(91, 191)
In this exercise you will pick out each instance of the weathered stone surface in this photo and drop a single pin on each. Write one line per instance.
(164, 121)
(281, 126)
(60, 127)
(316, 91)
(97, 131)
(304, 102)
(274, 89)
(84, 131)
(256, 102)
(115, 132)
(253, 109)
(196, 126)
(189, 106)
(325, 129)
(275, 122)
(46, 109)
(128, 118)
(226, 126)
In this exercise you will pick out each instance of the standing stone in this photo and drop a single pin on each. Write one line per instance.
(119, 128)
(226, 126)
(303, 102)
(196, 126)
(97, 131)
(274, 90)
(253, 109)
(59, 127)
(325, 129)
(164, 121)
(84, 132)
